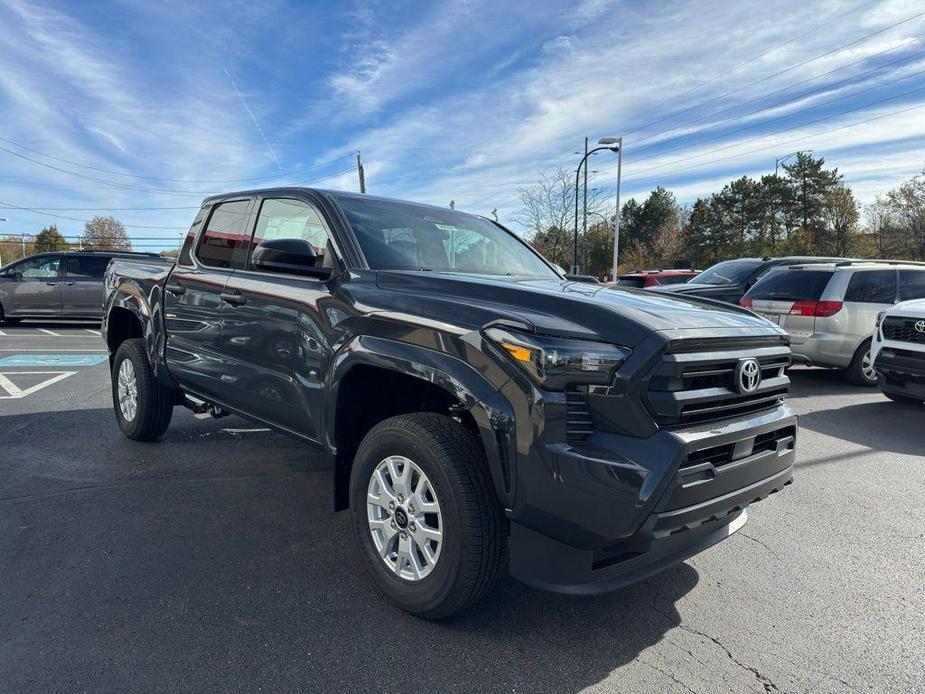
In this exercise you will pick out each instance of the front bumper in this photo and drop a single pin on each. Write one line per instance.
(900, 371)
(616, 509)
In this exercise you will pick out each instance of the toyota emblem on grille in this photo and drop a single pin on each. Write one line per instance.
(748, 375)
(920, 326)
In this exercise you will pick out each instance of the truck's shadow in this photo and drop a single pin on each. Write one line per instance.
(212, 561)
(881, 425)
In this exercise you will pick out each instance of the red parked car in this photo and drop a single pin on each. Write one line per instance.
(644, 279)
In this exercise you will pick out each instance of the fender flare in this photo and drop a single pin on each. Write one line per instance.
(489, 409)
(147, 311)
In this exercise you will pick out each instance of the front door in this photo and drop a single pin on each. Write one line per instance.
(193, 303)
(82, 285)
(33, 287)
(276, 337)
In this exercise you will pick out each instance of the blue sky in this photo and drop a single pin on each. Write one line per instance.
(136, 104)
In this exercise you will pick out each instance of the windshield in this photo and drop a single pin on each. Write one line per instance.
(727, 272)
(405, 236)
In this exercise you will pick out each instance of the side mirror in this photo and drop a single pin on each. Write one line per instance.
(293, 256)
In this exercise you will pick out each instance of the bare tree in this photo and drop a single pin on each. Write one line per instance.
(105, 234)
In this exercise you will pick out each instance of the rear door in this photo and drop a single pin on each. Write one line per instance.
(789, 297)
(193, 306)
(82, 287)
(33, 287)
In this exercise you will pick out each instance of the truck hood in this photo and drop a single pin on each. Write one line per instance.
(914, 308)
(558, 307)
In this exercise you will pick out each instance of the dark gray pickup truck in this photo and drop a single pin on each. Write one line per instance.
(480, 410)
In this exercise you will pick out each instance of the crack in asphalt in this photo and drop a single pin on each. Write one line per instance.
(768, 684)
(669, 675)
(757, 541)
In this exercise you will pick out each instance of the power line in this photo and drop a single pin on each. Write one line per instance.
(752, 60)
(75, 219)
(107, 209)
(776, 74)
(294, 172)
(790, 115)
(787, 142)
(638, 174)
(761, 97)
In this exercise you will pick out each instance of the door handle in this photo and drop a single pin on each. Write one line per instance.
(233, 298)
(175, 289)
(70, 284)
(51, 284)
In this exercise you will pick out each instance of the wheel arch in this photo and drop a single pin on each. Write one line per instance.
(375, 378)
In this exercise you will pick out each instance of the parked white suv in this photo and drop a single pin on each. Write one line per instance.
(829, 309)
(899, 352)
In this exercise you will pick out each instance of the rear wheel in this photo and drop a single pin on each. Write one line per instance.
(861, 370)
(143, 406)
(425, 515)
(4, 320)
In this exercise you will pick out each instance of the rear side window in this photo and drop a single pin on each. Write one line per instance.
(791, 285)
(87, 266)
(186, 251)
(638, 282)
(911, 284)
(224, 234)
(872, 287)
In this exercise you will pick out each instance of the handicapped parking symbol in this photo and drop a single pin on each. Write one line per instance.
(53, 360)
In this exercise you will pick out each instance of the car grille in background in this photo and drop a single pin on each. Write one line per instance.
(579, 424)
(903, 330)
(695, 380)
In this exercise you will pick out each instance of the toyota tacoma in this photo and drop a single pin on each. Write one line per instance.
(480, 410)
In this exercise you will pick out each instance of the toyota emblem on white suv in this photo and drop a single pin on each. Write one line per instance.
(748, 375)
(920, 326)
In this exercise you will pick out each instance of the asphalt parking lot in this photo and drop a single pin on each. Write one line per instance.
(211, 561)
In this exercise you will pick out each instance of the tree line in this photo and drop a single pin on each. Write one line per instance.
(104, 233)
(807, 209)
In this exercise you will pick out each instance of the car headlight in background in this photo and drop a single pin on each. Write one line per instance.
(556, 362)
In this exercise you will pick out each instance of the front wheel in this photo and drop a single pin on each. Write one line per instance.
(425, 515)
(143, 406)
(861, 370)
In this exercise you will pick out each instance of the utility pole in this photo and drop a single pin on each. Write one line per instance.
(2, 219)
(616, 219)
(584, 214)
(361, 174)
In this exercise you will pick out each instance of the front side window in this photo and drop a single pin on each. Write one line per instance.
(728, 272)
(224, 235)
(86, 267)
(405, 236)
(39, 268)
(291, 219)
(911, 284)
(872, 287)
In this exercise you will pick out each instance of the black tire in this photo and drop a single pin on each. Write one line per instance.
(7, 321)
(855, 371)
(154, 401)
(904, 399)
(474, 543)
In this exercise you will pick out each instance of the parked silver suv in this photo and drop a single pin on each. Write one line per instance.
(56, 285)
(830, 309)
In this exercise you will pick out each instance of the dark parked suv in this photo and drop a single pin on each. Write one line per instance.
(475, 404)
(56, 285)
(729, 280)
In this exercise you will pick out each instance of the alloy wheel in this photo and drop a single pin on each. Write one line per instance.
(127, 390)
(405, 520)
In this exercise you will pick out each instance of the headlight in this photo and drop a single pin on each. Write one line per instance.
(556, 362)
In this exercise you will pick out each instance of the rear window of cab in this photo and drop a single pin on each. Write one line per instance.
(786, 284)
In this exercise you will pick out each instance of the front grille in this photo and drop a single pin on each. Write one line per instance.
(695, 381)
(902, 330)
(579, 425)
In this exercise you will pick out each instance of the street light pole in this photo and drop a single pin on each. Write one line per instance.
(616, 219)
(2, 219)
(610, 143)
(584, 222)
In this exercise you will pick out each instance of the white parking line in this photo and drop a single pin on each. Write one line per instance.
(2, 333)
(21, 350)
(94, 332)
(15, 392)
(48, 332)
